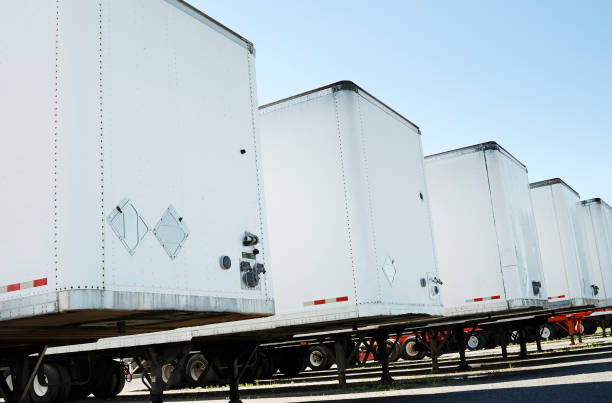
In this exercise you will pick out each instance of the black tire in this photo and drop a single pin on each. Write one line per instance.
(318, 358)
(549, 331)
(120, 380)
(66, 383)
(106, 380)
(590, 327)
(49, 393)
(476, 341)
(168, 371)
(6, 374)
(394, 350)
(266, 367)
(291, 362)
(412, 350)
(194, 367)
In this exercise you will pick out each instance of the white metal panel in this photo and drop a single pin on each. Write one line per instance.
(484, 230)
(80, 220)
(554, 206)
(171, 117)
(305, 196)
(400, 223)
(333, 160)
(515, 226)
(464, 231)
(27, 96)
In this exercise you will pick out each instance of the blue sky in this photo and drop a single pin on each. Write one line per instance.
(535, 76)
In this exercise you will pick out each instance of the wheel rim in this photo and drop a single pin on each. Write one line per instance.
(197, 369)
(545, 332)
(39, 389)
(9, 381)
(316, 358)
(167, 372)
(473, 342)
(411, 349)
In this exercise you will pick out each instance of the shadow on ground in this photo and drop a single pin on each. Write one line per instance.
(595, 391)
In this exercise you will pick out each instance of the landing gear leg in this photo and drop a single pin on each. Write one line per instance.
(156, 383)
(340, 347)
(523, 343)
(433, 348)
(570, 328)
(234, 392)
(504, 344)
(460, 342)
(383, 356)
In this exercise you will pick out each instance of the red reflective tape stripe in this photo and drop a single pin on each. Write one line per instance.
(478, 299)
(549, 297)
(496, 297)
(13, 287)
(341, 299)
(40, 282)
(561, 296)
(319, 301)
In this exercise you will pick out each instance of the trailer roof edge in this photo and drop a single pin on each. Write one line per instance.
(595, 200)
(186, 7)
(489, 145)
(552, 181)
(343, 85)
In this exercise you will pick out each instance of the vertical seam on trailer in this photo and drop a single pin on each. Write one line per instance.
(55, 144)
(434, 251)
(370, 204)
(170, 36)
(101, 114)
(606, 231)
(501, 266)
(603, 283)
(257, 172)
(344, 186)
(552, 196)
(581, 274)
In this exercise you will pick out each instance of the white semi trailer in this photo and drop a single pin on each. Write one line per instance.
(484, 230)
(353, 247)
(130, 173)
(556, 207)
(596, 246)
(349, 219)
(486, 242)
